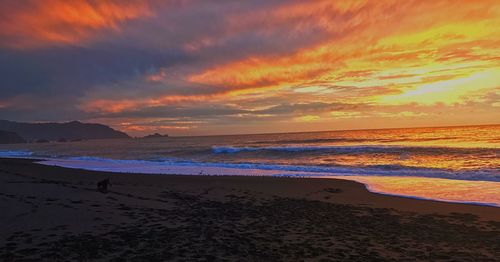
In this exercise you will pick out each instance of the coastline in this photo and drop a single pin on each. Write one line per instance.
(358, 185)
(444, 189)
(254, 213)
(418, 187)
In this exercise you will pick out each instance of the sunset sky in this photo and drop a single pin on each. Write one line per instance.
(191, 67)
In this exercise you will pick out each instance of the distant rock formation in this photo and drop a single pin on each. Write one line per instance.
(73, 131)
(155, 135)
(7, 137)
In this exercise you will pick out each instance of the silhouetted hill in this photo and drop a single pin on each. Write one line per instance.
(55, 131)
(155, 135)
(10, 138)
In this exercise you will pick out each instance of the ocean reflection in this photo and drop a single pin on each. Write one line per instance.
(484, 192)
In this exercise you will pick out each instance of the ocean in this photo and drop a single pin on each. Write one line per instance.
(457, 164)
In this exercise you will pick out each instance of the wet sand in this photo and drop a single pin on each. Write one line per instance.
(56, 214)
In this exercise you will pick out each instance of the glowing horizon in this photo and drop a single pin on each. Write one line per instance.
(206, 67)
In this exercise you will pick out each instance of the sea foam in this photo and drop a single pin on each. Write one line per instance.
(159, 166)
(357, 149)
(15, 153)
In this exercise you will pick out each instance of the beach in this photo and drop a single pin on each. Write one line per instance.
(272, 130)
(56, 214)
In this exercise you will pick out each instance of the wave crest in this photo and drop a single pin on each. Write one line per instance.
(355, 149)
(159, 167)
(15, 153)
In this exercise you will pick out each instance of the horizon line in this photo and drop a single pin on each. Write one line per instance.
(336, 130)
(263, 133)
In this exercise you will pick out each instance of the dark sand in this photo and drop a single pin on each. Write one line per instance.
(55, 214)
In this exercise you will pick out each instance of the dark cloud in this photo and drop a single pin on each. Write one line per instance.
(201, 112)
(73, 69)
(194, 111)
(51, 82)
(309, 108)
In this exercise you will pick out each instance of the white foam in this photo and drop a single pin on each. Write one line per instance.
(147, 167)
(350, 149)
(233, 150)
(15, 153)
(158, 167)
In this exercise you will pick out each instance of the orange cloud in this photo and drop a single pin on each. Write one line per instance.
(157, 77)
(39, 23)
(370, 45)
(142, 128)
(263, 72)
(307, 63)
(121, 105)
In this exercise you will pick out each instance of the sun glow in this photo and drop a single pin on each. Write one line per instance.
(448, 91)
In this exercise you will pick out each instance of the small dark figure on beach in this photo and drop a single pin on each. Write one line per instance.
(102, 186)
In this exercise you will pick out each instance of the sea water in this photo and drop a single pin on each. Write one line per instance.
(459, 164)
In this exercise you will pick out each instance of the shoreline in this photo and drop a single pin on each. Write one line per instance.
(371, 187)
(372, 197)
(363, 180)
(56, 214)
(477, 192)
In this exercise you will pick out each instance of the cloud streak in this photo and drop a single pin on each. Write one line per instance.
(29, 24)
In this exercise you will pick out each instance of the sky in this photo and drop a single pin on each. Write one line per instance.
(203, 67)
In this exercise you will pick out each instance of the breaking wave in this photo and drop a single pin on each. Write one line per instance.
(15, 153)
(160, 165)
(355, 149)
